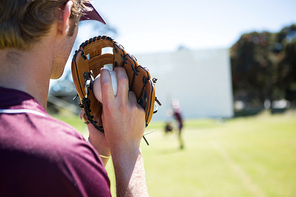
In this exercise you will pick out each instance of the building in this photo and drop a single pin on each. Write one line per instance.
(200, 80)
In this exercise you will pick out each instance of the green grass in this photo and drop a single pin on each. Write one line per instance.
(245, 157)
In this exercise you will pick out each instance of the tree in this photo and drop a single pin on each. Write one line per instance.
(263, 66)
(286, 53)
(253, 68)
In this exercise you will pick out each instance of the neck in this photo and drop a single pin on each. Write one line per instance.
(27, 71)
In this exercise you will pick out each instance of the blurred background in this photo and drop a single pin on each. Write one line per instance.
(232, 67)
(239, 54)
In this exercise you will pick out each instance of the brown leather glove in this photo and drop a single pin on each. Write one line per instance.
(86, 65)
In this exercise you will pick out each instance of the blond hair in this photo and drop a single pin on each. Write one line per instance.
(24, 22)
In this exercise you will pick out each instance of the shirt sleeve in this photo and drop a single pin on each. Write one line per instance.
(83, 166)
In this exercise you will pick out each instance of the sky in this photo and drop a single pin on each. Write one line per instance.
(151, 26)
(156, 26)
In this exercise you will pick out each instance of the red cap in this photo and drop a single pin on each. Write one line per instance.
(92, 15)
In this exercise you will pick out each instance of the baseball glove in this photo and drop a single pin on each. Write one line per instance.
(86, 65)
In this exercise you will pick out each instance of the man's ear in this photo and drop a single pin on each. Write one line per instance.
(63, 18)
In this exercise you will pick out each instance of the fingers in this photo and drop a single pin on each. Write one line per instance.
(132, 97)
(133, 102)
(122, 82)
(123, 118)
(106, 86)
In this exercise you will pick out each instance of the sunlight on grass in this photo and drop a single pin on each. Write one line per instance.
(252, 156)
(246, 157)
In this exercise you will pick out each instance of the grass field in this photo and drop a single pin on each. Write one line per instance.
(244, 157)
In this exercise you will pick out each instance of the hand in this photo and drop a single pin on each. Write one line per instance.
(124, 125)
(123, 119)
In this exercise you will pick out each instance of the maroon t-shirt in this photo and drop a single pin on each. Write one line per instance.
(42, 156)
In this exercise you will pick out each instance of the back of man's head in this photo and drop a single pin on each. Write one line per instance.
(24, 22)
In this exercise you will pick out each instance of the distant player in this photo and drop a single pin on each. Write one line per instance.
(176, 113)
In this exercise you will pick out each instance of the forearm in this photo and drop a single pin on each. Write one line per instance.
(130, 174)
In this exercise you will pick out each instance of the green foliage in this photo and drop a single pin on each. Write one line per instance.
(252, 67)
(263, 65)
(286, 40)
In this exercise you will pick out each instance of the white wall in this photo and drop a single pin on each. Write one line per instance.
(201, 80)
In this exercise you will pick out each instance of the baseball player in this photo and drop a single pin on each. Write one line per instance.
(178, 117)
(41, 156)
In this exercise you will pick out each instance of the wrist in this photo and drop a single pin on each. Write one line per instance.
(125, 154)
(103, 151)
